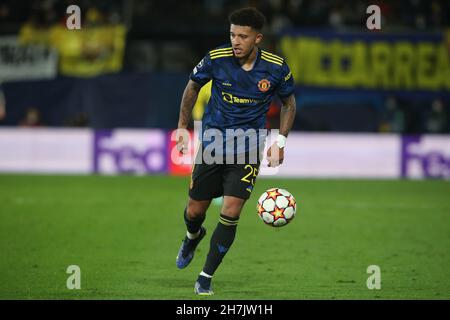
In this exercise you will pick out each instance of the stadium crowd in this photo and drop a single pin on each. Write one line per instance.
(204, 14)
(159, 38)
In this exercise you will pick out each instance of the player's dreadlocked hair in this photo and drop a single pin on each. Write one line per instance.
(250, 17)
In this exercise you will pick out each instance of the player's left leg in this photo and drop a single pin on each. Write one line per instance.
(220, 243)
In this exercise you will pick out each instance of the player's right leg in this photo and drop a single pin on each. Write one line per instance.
(194, 215)
(206, 184)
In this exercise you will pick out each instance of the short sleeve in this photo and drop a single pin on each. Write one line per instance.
(202, 72)
(286, 86)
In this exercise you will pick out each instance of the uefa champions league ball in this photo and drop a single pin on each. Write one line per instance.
(276, 207)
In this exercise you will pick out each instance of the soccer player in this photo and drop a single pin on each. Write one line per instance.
(244, 80)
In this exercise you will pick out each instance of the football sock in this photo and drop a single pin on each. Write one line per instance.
(205, 282)
(221, 241)
(193, 226)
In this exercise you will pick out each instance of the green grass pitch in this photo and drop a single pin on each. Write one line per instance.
(124, 233)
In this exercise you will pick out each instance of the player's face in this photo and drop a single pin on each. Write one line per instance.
(243, 40)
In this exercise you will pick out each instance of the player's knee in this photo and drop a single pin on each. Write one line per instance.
(232, 208)
(196, 209)
(194, 212)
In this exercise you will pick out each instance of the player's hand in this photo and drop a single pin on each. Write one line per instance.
(275, 155)
(182, 141)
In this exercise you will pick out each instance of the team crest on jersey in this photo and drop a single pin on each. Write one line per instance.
(264, 85)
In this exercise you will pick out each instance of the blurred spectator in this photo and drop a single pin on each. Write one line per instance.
(32, 118)
(4, 11)
(393, 119)
(436, 121)
(335, 17)
(78, 120)
(2, 105)
(273, 115)
(141, 56)
(203, 98)
(214, 7)
(436, 16)
(280, 21)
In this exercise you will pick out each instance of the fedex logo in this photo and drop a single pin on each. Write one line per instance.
(130, 152)
(425, 157)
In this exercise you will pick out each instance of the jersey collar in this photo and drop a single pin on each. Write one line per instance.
(258, 57)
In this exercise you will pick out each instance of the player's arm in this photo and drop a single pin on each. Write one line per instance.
(287, 114)
(275, 154)
(201, 74)
(188, 100)
(286, 92)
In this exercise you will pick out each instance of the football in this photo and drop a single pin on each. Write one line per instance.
(276, 207)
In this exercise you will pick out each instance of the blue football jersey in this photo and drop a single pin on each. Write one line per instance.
(240, 99)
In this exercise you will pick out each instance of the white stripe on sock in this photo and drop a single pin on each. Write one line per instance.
(205, 275)
(193, 235)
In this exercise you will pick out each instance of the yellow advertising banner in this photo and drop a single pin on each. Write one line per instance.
(86, 52)
(369, 61)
